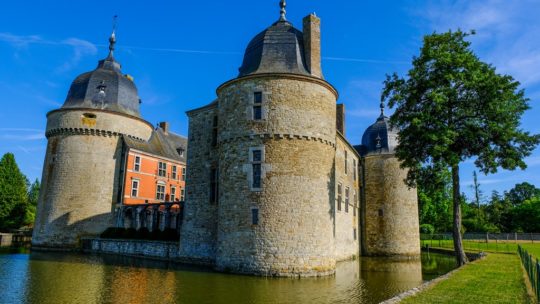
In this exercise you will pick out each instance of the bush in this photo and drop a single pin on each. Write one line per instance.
(427, 229)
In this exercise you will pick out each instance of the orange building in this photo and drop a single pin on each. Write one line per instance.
(154, 170)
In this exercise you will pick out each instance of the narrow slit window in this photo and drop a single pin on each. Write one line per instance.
(214, 131)
(354, 169)
(214, 185)
(339, 197)
(254, 216)
(346, 162)
(257, 106)
(256, 166)
(347, 199)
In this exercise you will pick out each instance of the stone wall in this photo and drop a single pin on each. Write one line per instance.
(198, 235)
(294, 233)
(346, 227)
(152, 249)
(80, 181)
(391, 209)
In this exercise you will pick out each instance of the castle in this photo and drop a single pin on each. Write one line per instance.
(273, 187)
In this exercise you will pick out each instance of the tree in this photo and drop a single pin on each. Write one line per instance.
(522, 192)
(33, 196)
(13, 193)
(453, 107)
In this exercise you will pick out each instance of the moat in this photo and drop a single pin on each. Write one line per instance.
(40, 277)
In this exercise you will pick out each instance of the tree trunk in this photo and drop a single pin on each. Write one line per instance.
(458, 244)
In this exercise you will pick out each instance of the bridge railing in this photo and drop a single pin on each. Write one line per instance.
(161, 216)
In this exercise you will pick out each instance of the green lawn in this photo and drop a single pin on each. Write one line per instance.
(496, 279)
(475, 246)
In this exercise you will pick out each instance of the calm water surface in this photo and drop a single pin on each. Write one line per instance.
(39, 277)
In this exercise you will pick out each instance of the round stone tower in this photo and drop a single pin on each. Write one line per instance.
(80, 181)
(277, 132)
(389, 211)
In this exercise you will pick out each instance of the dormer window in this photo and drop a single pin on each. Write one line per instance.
(180, 151)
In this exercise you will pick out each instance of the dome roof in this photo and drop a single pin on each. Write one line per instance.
(104, 88)
(278, 49)
(379, 138)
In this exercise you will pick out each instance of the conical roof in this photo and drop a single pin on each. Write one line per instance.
(105, 88)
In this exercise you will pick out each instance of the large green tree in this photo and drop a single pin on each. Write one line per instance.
(452, 107)
(13, 193)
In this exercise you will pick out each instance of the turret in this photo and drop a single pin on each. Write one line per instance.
(80, 181)
(389, 208)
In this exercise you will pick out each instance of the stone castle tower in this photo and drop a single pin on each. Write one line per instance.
(269, 207)
(80, 184)
(389, 209)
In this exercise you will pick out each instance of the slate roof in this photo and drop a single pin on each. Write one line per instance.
(379, 138)
(164, 144)
(277, 49)
(104, 88)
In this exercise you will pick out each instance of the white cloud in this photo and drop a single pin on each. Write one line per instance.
(80, 47)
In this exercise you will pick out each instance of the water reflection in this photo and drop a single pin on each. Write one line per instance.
(72, 278)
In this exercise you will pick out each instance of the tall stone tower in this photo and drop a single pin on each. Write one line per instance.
(389, 208)
(80, 182)
(275, 135)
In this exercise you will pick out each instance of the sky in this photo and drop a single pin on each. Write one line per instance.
(179, 52)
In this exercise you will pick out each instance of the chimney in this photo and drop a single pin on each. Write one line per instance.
(312, 44)
(164, 126)
(340, 118)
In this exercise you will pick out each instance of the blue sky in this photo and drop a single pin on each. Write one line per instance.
(179, 52)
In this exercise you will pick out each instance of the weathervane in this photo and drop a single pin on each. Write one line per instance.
(112, 38)
(282, 12)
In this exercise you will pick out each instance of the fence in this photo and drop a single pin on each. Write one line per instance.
(532, 267)
(499, 242)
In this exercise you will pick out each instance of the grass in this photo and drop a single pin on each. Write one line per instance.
(475, 246)
(496, 279)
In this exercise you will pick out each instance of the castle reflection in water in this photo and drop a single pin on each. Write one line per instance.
(72, 278)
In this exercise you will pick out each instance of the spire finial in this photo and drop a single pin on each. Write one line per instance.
(112, 38)
(282, 12)
(382, 108)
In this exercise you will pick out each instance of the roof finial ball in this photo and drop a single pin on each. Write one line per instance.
(112, 38)
(282, 12)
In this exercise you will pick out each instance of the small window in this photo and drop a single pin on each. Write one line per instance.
(347, 199)
(173, 172)
(160, 192)
(173, 193)
(257, 112)
(89, 115)
(339, 197)
(135, 188)
(257, 106)
(137, 164)
(354, 233)
(254, 216)
(381, 212)
(214, 185)
(257, 97)
(184, 174)
(162, 169)
(182, 194)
